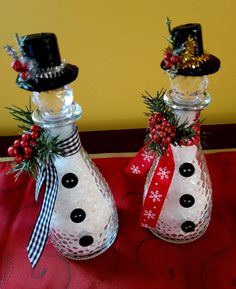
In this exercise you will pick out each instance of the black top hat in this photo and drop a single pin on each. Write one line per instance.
(40, 67)
(185, 54)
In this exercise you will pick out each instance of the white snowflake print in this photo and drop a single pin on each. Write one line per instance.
(135, 169)
(163, 173)
(144, 225)
(147, 156)
(149, 214)
(155, 196)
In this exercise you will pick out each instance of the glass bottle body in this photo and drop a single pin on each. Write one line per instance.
(84, 220)
(186, 211)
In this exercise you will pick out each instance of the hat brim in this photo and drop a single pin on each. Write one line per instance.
(67, 75)
(210, 66)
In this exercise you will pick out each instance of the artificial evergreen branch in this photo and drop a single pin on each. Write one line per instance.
(168, 24)
(157, 104)
(23, 116)
(35, 149)
(164, 127)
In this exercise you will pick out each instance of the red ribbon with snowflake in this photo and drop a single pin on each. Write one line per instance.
(158, 189)
(139, 166)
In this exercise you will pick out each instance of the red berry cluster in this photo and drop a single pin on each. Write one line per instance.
(22, 149)
(171, 60)
(22, 68)
(161, 131)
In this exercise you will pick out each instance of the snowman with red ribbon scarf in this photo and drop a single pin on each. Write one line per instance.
(177, 198)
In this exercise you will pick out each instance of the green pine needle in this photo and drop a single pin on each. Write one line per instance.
(157, 105)
(23, 116)
(47, 148)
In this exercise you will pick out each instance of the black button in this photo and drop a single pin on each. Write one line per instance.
(86, 241)
(69, 180)
(77, 215)
(186, 170)
(188, 226)
(187, 201)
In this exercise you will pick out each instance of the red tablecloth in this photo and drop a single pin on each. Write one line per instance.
(137, 259)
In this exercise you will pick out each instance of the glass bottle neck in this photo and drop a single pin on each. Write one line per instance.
(63, 132)
(187, 115)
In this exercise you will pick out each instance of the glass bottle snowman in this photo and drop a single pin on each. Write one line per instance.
(78, 211)
(184, 213)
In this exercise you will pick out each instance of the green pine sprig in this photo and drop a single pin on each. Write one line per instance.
(30, 166)
(159, 149)
(23, 116)
(46, 149)
(157, 104)
(184, 131)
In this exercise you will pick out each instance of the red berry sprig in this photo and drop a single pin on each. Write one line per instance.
(171, 60)
(23, 148)
(161, 130)
(16, 65)
(21, 67)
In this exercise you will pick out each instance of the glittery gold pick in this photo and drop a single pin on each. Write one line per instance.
(188, 58)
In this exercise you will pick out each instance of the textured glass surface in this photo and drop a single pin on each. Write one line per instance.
(186, 211)
(84, 221)
(92, 232)
(54, 103)
(198, 186)
(187, 89)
